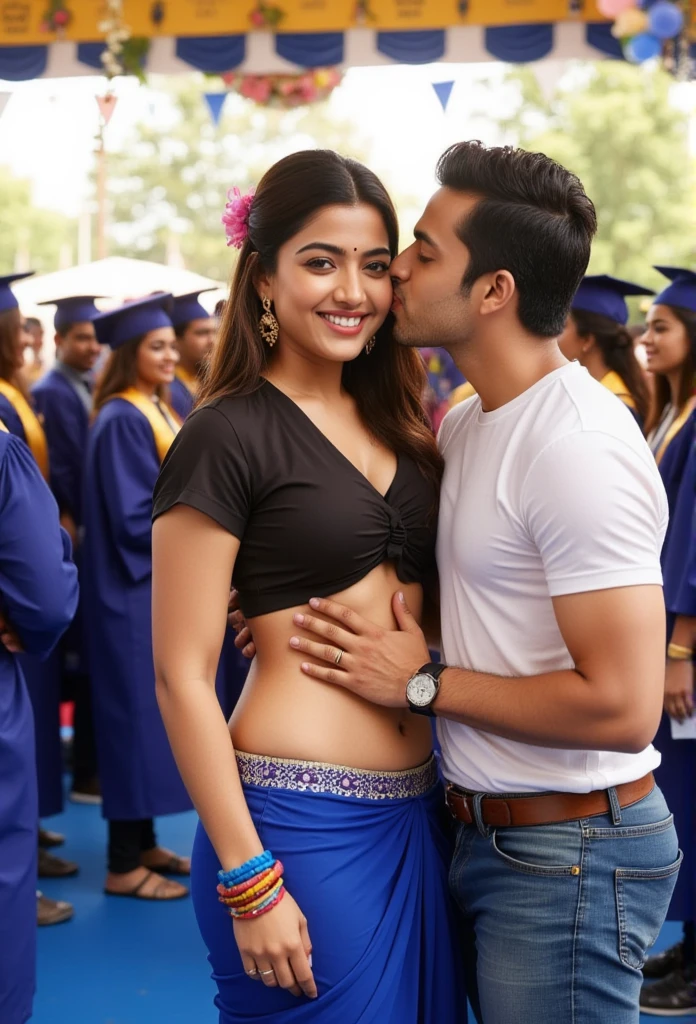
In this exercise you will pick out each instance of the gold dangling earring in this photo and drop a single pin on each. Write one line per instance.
(371, 344)
(268, 325)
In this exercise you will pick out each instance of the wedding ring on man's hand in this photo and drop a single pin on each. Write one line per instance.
(339, 655)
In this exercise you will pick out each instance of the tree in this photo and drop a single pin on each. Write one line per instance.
(30, 236)
(617, 127)
(167, 184)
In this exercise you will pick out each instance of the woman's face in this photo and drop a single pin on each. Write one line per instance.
(666, 340)
(331, 290)
(157, 357)
(571, 344)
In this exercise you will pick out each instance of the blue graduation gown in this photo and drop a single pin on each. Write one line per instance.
(66, 423)
(181, 399)
(38, 592)
(677, 773)
(43, 680)
(139, 778)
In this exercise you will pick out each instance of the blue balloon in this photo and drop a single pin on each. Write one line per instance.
(666, 19)
(643, 47)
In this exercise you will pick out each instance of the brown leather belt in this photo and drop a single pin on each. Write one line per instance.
(543, 808)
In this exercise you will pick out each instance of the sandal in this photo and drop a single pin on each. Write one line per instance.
(173, 866)
(137, 894)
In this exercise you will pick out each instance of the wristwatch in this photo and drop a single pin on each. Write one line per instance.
(422, 688)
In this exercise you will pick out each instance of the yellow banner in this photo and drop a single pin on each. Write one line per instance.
(24, 22)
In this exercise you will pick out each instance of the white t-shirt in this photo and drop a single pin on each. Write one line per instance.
(554, 493)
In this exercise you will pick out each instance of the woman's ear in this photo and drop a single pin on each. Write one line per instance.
(261, 280)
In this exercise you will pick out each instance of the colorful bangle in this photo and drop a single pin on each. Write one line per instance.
(677, 652)
(245, 892)
(243, 886)
(269, 905)
(258, 901)
(247, 870)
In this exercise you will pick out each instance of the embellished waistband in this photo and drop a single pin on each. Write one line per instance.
(316, 777)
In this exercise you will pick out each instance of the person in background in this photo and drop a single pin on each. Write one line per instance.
(63, 400)
(43, 676)
(596, 335)
(130, 436)
(38, 588)
(670, 345)
(195, 338)
(34, 339)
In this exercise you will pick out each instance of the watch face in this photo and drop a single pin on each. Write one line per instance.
(421, 689)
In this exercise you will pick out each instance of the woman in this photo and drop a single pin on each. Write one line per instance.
(596, 335)
(308, 468)
(38, 589)
(43, 676)
(129, 438)
(670, 343)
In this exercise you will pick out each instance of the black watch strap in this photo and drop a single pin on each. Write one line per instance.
(435, 670)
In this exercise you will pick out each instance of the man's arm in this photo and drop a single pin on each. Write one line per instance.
(611, 700)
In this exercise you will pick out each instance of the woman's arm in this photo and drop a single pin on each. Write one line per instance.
(192, 562)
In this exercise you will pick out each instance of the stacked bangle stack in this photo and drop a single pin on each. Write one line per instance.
(252, 889)
(676, 652)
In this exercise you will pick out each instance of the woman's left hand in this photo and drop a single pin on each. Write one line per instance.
(373, 662)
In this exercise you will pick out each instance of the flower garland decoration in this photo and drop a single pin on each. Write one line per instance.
(124, 53)
(56, 17)
(285, 91)
(265, 15)
(650, 29)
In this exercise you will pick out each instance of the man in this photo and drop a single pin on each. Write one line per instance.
(553, 629)
(63, 398)
(195, 334)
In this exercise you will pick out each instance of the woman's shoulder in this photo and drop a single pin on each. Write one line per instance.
(243, 415)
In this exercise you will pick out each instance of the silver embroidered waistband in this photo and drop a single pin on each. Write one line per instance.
(316, 777)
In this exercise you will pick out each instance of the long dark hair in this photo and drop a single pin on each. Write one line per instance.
(616, 345)
(120, 372)
(387, 385)
(10, 328)
(662, 394)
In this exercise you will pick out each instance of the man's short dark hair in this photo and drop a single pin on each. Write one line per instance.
(533, 219)
(31, 323)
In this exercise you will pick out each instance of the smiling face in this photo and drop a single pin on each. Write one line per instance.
(430, 306)
(331, 289)
(78, 347)
(666, 340)
(157, 357)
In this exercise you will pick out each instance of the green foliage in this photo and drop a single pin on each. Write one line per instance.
(167, 184)
(43, 238)
(617, 128)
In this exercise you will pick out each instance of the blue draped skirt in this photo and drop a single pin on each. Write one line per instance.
(366, 858)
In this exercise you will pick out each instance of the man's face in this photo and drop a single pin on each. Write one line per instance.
(198, 341)
(78, 347)
(430, 307)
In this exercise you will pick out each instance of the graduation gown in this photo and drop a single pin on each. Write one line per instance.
(677, 773)
(139, 778)
(182, 394)
(38, 591)
(614, 383)
(66, 424)
(43, 677)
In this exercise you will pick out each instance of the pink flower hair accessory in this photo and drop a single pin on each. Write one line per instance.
(236, 216)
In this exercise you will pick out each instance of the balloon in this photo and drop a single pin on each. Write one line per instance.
(612, 8)
(643, 47)
(630, 23)
(666, 19)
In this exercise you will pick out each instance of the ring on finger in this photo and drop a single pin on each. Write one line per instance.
(252, 973)
(266, 973)
(339, 655)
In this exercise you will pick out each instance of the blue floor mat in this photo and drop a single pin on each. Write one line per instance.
(129, 962)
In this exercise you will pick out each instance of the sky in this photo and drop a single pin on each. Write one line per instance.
(48, 128)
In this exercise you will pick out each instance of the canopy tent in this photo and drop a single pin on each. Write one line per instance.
(216, 36)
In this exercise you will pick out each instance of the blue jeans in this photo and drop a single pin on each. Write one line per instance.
(558, 919)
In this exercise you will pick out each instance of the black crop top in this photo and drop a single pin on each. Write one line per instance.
(309, 522)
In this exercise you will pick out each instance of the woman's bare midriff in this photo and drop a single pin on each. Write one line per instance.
(285, 713)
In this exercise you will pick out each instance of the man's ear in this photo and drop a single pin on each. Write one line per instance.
(499, 291)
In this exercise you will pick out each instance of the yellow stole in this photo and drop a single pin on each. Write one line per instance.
(33, 431)
(189, 380)
(675, 428)
(615, 384)
(162, 432)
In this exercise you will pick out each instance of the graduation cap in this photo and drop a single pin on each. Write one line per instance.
(606, 296)
(8, 299)
(188, 308)
(682, 290)
(75, 310)
(133, 319)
